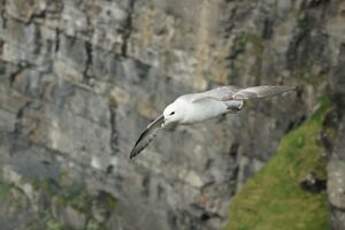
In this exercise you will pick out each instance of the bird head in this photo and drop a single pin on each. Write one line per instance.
(173, 113)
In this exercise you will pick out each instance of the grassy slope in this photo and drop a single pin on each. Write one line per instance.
(273, 199)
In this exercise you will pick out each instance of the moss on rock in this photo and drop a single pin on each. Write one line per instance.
(5, 189)
(274, 199)
(63, 203)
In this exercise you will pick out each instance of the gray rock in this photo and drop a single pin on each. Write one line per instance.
(79, 80)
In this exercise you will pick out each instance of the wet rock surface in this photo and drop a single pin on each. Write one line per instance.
(81, 79)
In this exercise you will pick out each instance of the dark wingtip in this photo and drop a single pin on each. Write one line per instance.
(132, 155)
(135, 152)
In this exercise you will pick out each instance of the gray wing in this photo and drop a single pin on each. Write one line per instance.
(227, 93)
(147, 136)
(223, 93)
(261, 91)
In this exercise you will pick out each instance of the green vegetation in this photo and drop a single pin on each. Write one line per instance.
(56, 196)
(5, 190)
(273, 199)
(76, 197)
(94, 225)
(53, 224)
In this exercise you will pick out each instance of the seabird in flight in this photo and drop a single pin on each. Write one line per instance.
(199, 107)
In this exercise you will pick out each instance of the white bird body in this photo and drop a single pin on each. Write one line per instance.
(204, 109)
(198, 107)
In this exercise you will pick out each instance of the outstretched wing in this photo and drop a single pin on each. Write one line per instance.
(223, 93)
(147, 136)
(227, 93)
(261, 91)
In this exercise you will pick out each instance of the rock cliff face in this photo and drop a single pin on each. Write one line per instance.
(81, 79)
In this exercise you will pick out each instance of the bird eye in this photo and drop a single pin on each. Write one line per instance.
(172, 113)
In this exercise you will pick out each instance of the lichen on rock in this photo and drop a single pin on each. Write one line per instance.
(79, 80)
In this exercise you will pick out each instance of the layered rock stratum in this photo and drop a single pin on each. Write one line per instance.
(81, 79)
